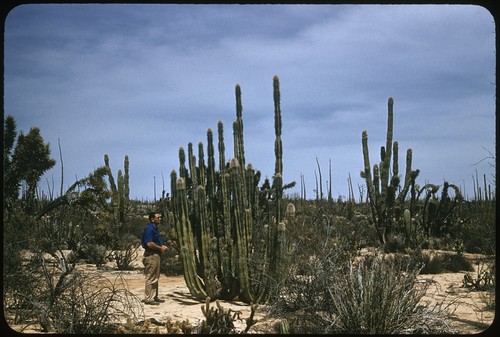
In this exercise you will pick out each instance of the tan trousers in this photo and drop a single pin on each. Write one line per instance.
(152, 275)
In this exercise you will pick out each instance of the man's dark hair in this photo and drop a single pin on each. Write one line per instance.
(152, 215)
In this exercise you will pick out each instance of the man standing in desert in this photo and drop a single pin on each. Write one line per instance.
(152, 243)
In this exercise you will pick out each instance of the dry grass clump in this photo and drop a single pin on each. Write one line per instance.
(380, 295)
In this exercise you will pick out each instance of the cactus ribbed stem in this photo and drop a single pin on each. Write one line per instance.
(221, 147)
(395, 163)
(239, 149)
(278, 149)
(208, 264)
(388, 148)
(196, 288)
(183, 172)
(408, 175)
(239, 215)
(121, 198)
(201, 165)
(211, 182)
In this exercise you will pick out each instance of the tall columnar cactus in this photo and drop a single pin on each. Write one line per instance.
(185, 236)
(278, 150)
(239, 148)
(382, 188)
(239, 236)
(211, 175)
(126, 186)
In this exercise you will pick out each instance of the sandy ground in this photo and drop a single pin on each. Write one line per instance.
(468, 309)
(179, 305)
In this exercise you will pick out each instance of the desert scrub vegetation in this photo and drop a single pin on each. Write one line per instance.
(59, 298)
(334, 288)
(237, 238)
(381, 295)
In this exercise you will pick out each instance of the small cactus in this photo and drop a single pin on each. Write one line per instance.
(407, 221)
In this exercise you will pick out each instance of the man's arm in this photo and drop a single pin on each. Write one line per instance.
(154, 246)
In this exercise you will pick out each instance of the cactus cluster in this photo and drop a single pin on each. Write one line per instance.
(231, 232)
(391, 212)
(221, 321)
(386, 198)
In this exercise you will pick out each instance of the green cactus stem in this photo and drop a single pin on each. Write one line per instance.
(278, 148)
(408, 226)
(185, 237)
(239, 149)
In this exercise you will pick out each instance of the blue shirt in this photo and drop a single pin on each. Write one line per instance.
(151, 234)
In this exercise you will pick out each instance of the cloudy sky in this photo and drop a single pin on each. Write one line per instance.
(144, 80)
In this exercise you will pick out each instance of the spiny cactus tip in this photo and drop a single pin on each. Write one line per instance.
(234, 163)
(181, 183)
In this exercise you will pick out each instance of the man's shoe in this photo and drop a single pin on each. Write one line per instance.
(152, 303)
(156, 299)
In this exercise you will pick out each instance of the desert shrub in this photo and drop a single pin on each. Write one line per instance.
(395, 243)
(458, 262)
(94, 305)
(62, 300)
(303, 296)
(478, 227)
(91, 253)
(336, 291)
(436, 263)
(381, 295)
(315, 218)
(484, 279)
(14, 243)
(432, 264)
(321, 239)
(103, 236)
(170, 264)
(125, 251)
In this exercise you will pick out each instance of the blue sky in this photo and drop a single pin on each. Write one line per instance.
(144, 80)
